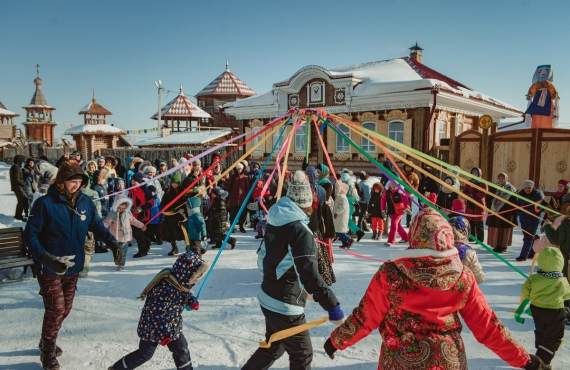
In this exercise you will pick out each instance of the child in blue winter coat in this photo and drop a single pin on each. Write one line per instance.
(196, 226)
(153, 227)
(161, 318)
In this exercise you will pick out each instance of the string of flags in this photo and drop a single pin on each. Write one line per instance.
(144, 131)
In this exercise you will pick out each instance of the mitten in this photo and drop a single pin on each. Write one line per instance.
(408, 211)
(336, 316)
(50, 261)
(329, 348)
(137, 209)
(383, 214)
(66, 260)
(534, 363)
(116, 249)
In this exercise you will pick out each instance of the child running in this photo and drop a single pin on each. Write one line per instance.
(161, 318)
(119, 222)
(547, 290)
(377, 221)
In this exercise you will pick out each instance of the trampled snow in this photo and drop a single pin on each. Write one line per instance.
(229, 325)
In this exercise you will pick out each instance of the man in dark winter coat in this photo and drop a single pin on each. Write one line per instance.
(528, 222)
(17, 185)
(288, 263)
(217, 217)
(55, 236)
(238, 187)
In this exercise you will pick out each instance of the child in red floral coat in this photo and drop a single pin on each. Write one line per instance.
(415, 301)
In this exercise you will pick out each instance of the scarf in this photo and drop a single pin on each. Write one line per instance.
(499, 202)
(71, 198)
(560, 194)
(121, 218)
(550, 275)
(163, 275)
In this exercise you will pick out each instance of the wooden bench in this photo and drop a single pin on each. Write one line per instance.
(12, 250)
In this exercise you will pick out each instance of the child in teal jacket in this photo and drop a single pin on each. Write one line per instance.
(196, 226)
(547, 290)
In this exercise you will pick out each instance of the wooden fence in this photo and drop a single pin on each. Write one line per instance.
(33, 151)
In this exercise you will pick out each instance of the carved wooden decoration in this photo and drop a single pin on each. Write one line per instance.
(345, 116)
(343, 157)
(256, 123)
(543, 146)
(477, 145)
(561, 166)
(368, 116)
(541, 185)
(462, 146)
(469, 164)
(495, 147)
(396, 115)
(256, 156)
(511, 166)
(294, 101)
(528, 145)
(339, 95)
(444, 116)
(298, 157)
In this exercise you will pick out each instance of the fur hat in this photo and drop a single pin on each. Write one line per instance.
(300, 190)
(244, 162)
(150, 169)
(429, 230)
(68, 171)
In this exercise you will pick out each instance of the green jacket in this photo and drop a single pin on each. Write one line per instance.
(547, 292)
(93, 195)
(561, 237)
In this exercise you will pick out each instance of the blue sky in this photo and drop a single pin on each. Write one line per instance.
(119, 48)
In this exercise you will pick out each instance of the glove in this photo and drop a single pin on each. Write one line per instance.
(329, 348)
(50, 261)
(383, 214)
(534, 363)
(336, 316)
(253, 206)
(408, 211)
(137, 209)
(116, 249)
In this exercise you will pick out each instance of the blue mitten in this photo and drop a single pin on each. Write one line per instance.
(336, 316)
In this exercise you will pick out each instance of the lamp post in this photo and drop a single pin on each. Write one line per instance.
(159, 87)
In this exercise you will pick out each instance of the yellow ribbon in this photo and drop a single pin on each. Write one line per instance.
(284, 171)
(282, 334)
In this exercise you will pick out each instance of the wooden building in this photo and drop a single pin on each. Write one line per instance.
(223, 89)
(8, 129)
(95, 134)
(392, 97)
(185, 126)
(39, 126)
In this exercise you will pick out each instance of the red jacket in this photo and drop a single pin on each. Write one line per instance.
(139, 200)
(477, 212)
(417, 314)
(257, 191)
(238, 187)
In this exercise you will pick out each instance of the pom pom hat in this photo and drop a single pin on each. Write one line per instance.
(300, 190)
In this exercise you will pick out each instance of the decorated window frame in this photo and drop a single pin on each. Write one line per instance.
(316, 93)
(342, 145)
(396, 133)
(366, 144)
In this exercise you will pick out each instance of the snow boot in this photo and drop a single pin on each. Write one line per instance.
(232, 242)
(348, 244)
(359, 234)
(545, 354)
(48, 357)
(374, 235)
(174, 251)
(259, 235)
(58, 351)
(159, 242)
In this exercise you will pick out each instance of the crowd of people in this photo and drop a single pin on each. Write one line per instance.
(299, 217)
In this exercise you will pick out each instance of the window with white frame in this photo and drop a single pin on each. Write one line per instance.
(276, 135)
(442, 131)
(367, 145)
(458, 128)
(301, 139)
(396, 131)
(342, 145)
(256, 140)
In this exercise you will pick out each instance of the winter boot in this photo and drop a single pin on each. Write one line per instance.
(58, 351)
(545, 354)
(374, 235)
(48, 357)
(359, 234)
(348, 244)
(174, 251)
(159, 242)
(259, 235)
(232, 242)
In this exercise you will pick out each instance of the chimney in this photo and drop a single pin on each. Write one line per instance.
(416, 53)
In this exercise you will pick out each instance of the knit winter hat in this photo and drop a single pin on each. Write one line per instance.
(550, 260)
(528, 184)
(432, 197)
(176, 178)
(150, 169)
(300, 190)
(239, 166)
(563, 182)
(138, 177)
(458, 205)
(429, 230)
(461, 229)
(220, 193)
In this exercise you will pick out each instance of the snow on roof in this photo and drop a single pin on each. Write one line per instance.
(94, 108)
(383, 77)
(6, 112)
(227, 84)
(181, 107)
(94, 129)
(187, 137)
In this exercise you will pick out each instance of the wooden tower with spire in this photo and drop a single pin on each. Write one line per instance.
(39, 123)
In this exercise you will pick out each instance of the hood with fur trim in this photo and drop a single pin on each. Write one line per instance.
(122, 200)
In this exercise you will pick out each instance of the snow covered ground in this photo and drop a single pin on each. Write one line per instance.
(226, 330)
